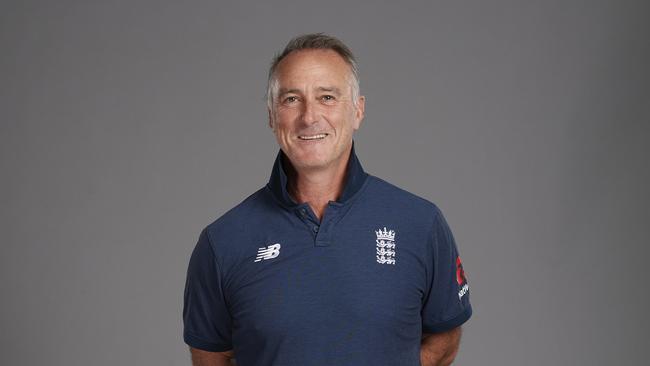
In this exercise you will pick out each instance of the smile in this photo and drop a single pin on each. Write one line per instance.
(319, 136)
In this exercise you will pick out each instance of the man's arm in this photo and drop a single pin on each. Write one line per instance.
(205, 358)
(439, 349)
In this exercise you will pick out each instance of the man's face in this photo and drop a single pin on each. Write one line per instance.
(314, 116)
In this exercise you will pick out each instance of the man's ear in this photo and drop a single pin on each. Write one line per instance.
(359, 112)
(270, 118)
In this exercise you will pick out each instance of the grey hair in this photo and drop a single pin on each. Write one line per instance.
(313, 41)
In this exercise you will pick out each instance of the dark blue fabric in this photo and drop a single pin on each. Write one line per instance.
(331, 296)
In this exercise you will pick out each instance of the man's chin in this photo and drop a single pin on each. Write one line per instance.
(308, 157)
(311, 164)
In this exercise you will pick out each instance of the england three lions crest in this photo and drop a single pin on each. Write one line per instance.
(385, 246)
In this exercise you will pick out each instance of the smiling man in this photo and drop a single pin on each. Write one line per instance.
(326, 264)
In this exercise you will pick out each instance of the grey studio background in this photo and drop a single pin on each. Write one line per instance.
(128, 126)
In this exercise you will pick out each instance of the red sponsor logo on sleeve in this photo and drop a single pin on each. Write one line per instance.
(460, 273)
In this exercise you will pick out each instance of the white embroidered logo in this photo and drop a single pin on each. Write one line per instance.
(269, 252)
(385, 246)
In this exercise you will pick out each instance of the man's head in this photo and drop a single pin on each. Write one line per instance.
(313, 100)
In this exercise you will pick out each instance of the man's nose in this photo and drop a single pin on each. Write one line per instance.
(310, 112)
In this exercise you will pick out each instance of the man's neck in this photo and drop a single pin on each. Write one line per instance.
(318, 187)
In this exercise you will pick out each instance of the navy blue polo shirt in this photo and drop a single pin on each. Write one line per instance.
(280, 287)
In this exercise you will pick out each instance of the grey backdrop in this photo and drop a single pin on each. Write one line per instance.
(127, 126)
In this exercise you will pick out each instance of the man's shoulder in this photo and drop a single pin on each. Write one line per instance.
(240, 216)
(385, 192)
(234, 226)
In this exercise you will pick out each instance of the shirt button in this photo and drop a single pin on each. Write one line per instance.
(315, 229)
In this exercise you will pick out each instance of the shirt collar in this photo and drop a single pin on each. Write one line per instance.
(355, 177)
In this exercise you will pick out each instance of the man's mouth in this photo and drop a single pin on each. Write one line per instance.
(319, 136)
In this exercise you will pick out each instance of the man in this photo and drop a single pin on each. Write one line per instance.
(326, 264)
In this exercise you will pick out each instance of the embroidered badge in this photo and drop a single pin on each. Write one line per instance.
(385, 246)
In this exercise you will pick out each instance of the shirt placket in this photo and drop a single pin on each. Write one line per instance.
(321, 231)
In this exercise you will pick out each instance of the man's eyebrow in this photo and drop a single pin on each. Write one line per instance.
(330, 89)
(283, 91)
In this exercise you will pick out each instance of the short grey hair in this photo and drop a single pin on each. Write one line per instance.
(313, 41)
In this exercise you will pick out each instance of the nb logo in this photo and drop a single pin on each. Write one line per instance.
(269, 252)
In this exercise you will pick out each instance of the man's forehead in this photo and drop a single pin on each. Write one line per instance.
(313, 70)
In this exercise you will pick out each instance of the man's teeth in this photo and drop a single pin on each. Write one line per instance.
(312, 137)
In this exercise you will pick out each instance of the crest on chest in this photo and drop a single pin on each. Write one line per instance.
(385, 246)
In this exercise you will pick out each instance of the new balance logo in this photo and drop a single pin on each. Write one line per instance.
(269, 252)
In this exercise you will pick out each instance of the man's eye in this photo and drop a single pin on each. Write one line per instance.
(290, 99)
(328, 97)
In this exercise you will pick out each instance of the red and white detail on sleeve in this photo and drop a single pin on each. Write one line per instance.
(461, 279)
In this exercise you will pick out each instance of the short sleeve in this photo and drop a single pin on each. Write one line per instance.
(206, 319)
(446, 305)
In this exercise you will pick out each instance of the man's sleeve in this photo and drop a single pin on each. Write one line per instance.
(206, 319)
(446, 306)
